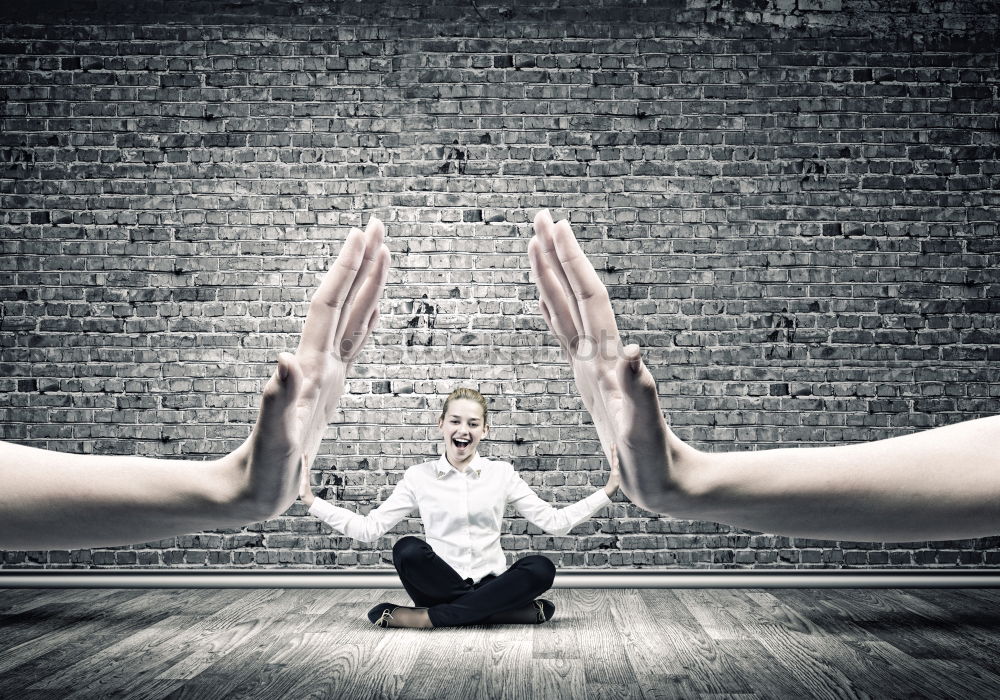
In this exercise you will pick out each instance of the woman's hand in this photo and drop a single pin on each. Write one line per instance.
(615, 478)
(305, 487)
(617, 389)
(264, 474)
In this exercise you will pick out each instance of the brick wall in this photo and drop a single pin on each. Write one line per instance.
(794, 204)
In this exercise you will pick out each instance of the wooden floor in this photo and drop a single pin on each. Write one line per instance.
(601, 644)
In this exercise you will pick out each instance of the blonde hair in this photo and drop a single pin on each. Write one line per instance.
(471, 395)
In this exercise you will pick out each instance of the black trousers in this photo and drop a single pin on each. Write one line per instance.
(453, 601)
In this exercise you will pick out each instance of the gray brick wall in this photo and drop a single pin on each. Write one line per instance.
(794, 204)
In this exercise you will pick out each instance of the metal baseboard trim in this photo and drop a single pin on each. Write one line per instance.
(567, 578)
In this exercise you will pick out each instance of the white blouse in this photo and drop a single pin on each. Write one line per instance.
(461, 512)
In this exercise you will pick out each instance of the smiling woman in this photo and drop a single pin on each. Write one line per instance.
(459, 575)
(463, 423)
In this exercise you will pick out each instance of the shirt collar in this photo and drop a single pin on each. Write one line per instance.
(443, 466)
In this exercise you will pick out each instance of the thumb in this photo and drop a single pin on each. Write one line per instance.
(277, 408)
(290, 377)
(641, 402)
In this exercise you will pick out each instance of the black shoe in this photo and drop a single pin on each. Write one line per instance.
(546, 609)
(381, 614)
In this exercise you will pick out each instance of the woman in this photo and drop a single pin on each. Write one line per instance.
(459, 575)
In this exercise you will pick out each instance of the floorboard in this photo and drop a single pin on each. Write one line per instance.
(648, 644)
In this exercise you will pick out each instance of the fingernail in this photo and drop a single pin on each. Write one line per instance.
(282, 371)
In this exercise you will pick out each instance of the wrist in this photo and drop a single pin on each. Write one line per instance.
(226, 489)
(236, 493)
(676, 479)
(692, 481)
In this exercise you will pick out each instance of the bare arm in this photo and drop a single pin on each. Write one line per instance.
(553, 520)
(937, 484)
(931, 485)
(367, 528)
(57, 500)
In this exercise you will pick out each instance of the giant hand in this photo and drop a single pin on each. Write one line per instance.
(341, 316)
(617, 389)
(57, 500)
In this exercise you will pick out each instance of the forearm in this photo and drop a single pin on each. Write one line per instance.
(61, 500)
(363, 528)
(559, 521)
(936, 484)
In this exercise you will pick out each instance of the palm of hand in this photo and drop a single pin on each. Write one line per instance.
(617, 390)
(623, 420)
(302, 395)
(596, 378)
(324, 376)
(341, 316)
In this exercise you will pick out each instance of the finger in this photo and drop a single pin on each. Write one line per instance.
(597, 316)
(549, 322)
(355, 326)
(545, 313)
(368, 328)
(376, 228)
(328, 300)
(372, 324)
(374, 235)
(557, 303)
(546, 244)
(348, 300)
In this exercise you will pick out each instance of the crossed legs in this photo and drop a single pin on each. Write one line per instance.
(451, 601)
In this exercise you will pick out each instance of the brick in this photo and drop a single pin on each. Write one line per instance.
(798, 226)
